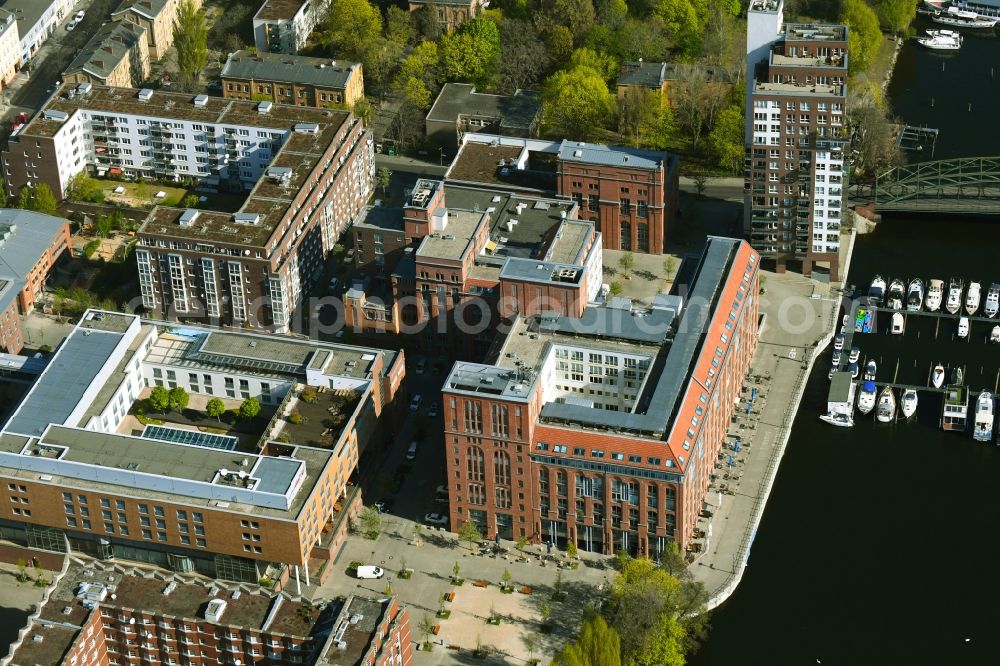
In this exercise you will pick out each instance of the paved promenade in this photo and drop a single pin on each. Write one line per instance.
(800, 315)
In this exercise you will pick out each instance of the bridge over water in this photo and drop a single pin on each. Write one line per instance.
(967, 185)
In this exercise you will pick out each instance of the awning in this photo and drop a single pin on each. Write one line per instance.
(114, 171)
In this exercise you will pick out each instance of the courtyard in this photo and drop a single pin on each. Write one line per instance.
(549, 593)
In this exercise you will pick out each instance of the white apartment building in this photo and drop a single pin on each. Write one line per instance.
(284, 26)
(37, 20)
(10, 47)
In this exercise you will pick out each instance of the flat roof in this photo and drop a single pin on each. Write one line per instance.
(260, 66)
(569, 245)
(63, 384)
(270, 198)
(517, 111)
(279, 10)
(357, 636)
(480, 162)
(647, 74)
(455, 239)
(800, 89)
(617, 156)
(24, 236)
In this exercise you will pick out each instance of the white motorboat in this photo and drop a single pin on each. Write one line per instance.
(963, 327)
(866, 397)
(870, 370)
(982, 429)
(935, 291)
(995, 334)
(937, 376)
(972, 296)
(954, 302)
(854, 355)
(992, 305)
(854, 370)
(838, 343)
(915, 295)
(842, 420)
(886, 411)
(876, 292)
(941, 40)
(898, 323)
(897, 293)
(908, 403)
(835, 361)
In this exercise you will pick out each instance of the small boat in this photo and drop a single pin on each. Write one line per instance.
(915, 295)
(962, 18)
(982, 429)
(935, 291)
(837, 357)
(992, 305)
(963, 327)
(866, 397)
(898, 323)
(957, 376)
(854, 355)
(886, 405)
(937, 376)
(954, 302)
(838, 343)
(842, 420)
(908, 403)
(870, 370)
(854, 370)
(995, 335)
(876, 292)
(972, 296)
(897, 293)
(941, 40)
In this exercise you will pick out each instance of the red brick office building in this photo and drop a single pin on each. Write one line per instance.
(604, 429)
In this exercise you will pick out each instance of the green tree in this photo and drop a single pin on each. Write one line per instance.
(523, 58)
(895, 15)
(191, 39)
(598, 645)
(371, 522)
(576, 102)
(84, 188)
(190, 201)
(426, 22)
(626, 262)
(350, 27)
(469, 533)
(4, 199)
(685, 20)
(178, 399)
(422, 64)
(864, 35)
(602, 63)
(726, 139)
(38, 198)
(398, 26)
(249, 408)
(577, 15)
(426, 627)
(559, 45)
(506, 578)
(159, 399)
(215, 407)
(615, 288)
(470, 54)
(104, 225)
(382, 179)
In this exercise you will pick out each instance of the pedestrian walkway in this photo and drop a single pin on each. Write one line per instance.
(800, 317)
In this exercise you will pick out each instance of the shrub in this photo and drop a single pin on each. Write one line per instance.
(309, 395)
(90, 248)
(295, 418)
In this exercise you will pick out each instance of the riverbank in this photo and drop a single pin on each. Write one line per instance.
(801, 321)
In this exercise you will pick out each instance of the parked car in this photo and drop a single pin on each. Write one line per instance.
(415, 402)
(369, 571)
(79, 15)
(421, 366)
(432, 411)
(411, 453)
(436, 519)
(72, 24)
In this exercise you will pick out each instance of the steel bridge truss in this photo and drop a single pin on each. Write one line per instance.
(964, 185)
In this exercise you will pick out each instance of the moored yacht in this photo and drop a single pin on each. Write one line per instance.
(935, 291)
(908, 403)
(876, 292)
(995, 334)
(898, 323)
(954, 302)
(866, 397)
(897, 292)
(962, 18)
(937, 376)
(963, 327)
(941, 40)
(854, 355)
(992, 305)
(886, 405)
(972, 296)
(982, 429)
(915, 295)
(870, 369)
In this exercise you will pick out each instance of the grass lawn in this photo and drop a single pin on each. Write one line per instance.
(139, 195)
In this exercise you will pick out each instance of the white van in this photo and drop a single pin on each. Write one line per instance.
(369, 571)
(411, 453)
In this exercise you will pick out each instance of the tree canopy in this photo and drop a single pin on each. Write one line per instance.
(350, 26)
(470, 54)
(864, 34)
(895, 15)
(726, 139)
(575, 102)
(191, 39)
(38, 198)
(598, 645)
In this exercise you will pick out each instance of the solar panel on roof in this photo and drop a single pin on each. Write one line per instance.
(192, 437)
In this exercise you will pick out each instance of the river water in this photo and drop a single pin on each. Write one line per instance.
(881, 544)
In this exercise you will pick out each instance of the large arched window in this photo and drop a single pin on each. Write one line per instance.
(501, 478)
